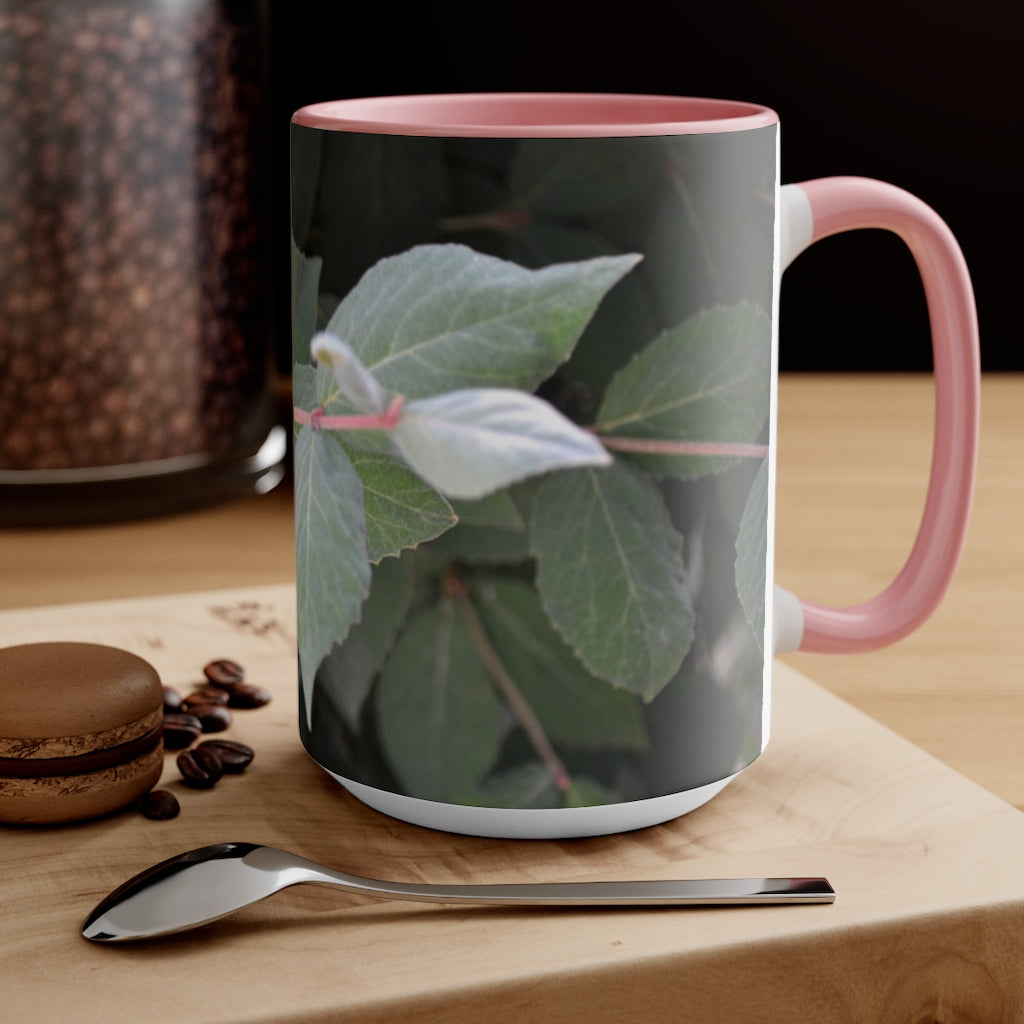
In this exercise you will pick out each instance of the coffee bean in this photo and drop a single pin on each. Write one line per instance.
(159, 805)
(209, 696)
(181, 730)
(201, 769)
(212, 717)
(245, 695)
(172, 699)
(234, 757)
(224, 673)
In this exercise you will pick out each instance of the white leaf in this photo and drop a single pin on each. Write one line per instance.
(471, 442)
(356, 382)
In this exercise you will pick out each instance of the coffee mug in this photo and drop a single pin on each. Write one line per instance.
(535, 377)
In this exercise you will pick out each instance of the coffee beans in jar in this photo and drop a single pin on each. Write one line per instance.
(133, 286)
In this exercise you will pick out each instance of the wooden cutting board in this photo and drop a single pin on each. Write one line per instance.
(928, 869)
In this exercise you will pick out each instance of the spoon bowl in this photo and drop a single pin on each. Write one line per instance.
(200, 886)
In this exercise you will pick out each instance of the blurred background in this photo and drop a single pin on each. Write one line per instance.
(926, 96)
(144, 196)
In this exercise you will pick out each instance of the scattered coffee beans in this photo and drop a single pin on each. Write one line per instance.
(201, 769)
(212, 717)
(224, 673)
(245, 695)
(234, 757)
(159, 805)
(181, 730)
(205, 710)
(172, 700)
(210, 696)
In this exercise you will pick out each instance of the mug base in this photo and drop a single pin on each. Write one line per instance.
(525, 823)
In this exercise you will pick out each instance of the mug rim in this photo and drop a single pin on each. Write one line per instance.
(535, 115)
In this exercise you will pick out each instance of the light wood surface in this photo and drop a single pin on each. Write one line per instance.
(852, 470)
(853, 467)
(926, 865)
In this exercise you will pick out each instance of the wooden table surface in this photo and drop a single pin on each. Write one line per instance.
(926, 866)
(926, 862)
(852, 471)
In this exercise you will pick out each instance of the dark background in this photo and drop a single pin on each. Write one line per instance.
(924, 95)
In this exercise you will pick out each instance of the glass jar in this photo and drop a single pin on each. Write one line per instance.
(136, 373)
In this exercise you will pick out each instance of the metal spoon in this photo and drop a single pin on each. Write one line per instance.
(202, 885)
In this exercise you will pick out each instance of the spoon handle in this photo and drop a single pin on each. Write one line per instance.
(653, 893)
(693, 892)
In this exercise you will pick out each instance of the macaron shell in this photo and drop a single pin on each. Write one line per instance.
(53, 799)
(71, 695)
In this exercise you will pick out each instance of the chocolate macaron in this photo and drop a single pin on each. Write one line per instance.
(80, 731)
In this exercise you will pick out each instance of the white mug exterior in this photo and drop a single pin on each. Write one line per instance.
(546, 823)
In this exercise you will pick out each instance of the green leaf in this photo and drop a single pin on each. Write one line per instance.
(469, 443)
(401, 510)
(305, 284)
(314, 387)
(376, 195)
(707, 380)
(610, 572)
(752, 554)
(526, 786)
(332, 571)
(586, 792)
(490, 530)
(709, 238)
(497, 509)
(306, 151)
(442, 317)
(440, 721)
(586, 178)
(347, 673)
(574, 707)
(530, 786)
(304, 379)
(487, 545)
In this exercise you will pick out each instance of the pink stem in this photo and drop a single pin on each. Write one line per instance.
(386, 420)
(656, 446)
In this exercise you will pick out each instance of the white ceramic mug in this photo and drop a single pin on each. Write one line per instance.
(535, 397)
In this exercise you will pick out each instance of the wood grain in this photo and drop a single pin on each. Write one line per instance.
(926, 864)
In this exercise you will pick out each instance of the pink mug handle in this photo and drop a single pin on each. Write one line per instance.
(815, 209)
